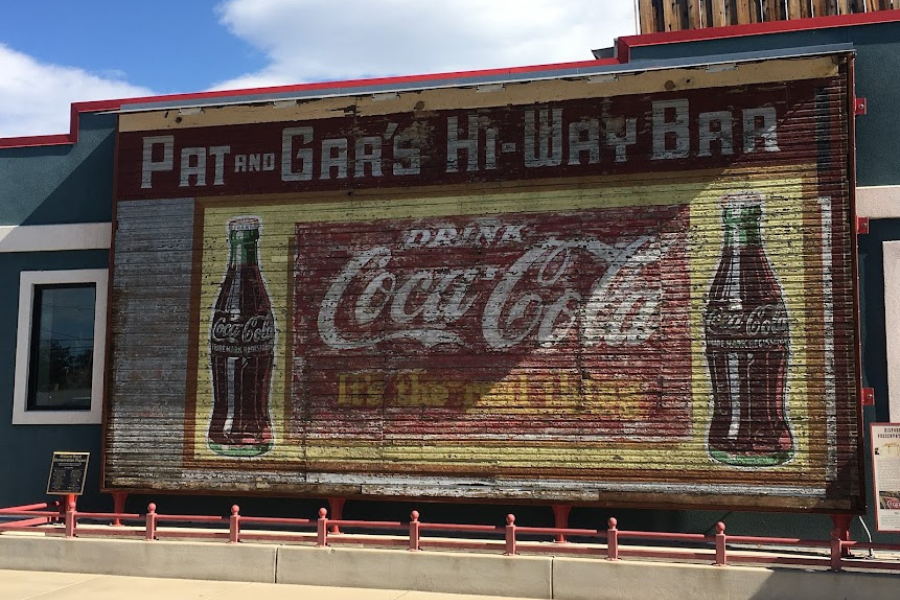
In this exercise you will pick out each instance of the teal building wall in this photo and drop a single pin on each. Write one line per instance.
(73, 183)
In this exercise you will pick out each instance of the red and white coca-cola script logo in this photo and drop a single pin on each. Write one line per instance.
(475, 318)
(493, 283)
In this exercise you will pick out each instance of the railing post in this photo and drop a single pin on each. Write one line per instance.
(150, 527)
(322, 529)
(234, 525)
(612, 540)
(721, 558)
(414, 531)
(70, 516)
(510, 535)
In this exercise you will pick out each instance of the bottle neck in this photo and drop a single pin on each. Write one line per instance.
(243, 248)
(742, 227)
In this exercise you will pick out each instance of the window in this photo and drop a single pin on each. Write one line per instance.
(60, 347)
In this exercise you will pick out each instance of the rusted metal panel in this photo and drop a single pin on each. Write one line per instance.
(772, 11)
(798, 9)
(743, 12)
(718, 13)
(591, 297)
(648, 18)
(670, 15)
(823, 8)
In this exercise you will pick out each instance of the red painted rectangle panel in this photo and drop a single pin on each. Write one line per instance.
(667, 131)
(417, 321)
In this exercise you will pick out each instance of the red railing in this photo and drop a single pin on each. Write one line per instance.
(719, 549)
(35, 515)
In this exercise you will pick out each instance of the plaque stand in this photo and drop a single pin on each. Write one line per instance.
(68, 471)
(64, 505)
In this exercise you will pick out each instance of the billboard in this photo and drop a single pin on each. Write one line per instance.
(586, 291)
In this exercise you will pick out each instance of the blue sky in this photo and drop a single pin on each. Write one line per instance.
(164, 45)
(54, 52)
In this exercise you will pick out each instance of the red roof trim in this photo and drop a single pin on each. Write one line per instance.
(103, 105)
(623, 55)
(61, 138)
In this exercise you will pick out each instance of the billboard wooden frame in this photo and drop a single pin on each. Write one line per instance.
(664, 495)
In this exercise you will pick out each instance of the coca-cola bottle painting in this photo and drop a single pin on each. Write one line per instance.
(242, 349)
(747, 344)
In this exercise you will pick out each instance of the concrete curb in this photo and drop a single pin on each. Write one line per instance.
(174, 560)
(585, 579)
(476, 574)
(546, 577)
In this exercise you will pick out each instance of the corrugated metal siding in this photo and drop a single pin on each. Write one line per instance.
(530, 321)
(148, 373)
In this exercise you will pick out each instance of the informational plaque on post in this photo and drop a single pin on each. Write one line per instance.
(886, 467)
(67, 473)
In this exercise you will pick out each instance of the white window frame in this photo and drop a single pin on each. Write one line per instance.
(28, 280)
(891, 256)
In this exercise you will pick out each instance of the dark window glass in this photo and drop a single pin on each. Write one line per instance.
(62, 347)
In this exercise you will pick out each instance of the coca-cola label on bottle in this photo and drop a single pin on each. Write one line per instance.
(735, 327)
(240, 335)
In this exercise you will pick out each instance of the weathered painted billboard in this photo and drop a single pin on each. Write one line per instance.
(617, 290)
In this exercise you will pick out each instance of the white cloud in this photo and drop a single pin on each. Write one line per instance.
(312, 40)
(35, 97)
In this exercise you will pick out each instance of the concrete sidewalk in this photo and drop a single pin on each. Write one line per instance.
(49, 585)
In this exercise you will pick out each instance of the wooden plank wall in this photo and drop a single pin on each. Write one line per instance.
(636, 292)
(676, 15)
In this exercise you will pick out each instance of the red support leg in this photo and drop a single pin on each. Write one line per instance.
(841, 525)
(118, 506)
(561, 516)
(64, 505)
(337, 512)
(71, 520)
